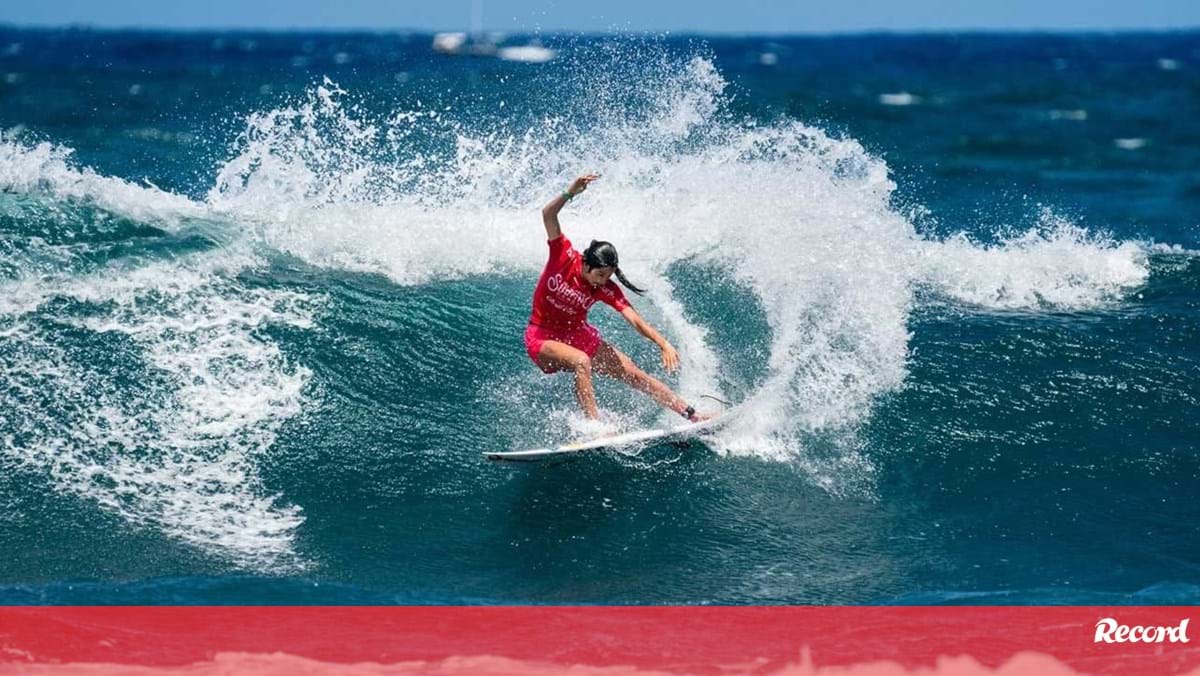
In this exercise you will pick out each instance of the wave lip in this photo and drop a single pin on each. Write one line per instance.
(1056, 266)
(45, 168)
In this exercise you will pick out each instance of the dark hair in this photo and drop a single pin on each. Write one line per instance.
(604, 255)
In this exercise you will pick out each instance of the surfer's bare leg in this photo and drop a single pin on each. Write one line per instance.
(612, 362)
(560, 356)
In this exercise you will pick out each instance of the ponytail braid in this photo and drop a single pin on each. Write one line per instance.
(629, 285)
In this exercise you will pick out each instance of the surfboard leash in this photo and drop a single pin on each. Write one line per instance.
(709, 396)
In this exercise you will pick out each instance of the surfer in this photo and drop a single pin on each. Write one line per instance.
(559, 337)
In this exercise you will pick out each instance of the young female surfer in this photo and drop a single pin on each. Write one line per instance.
(559, 338)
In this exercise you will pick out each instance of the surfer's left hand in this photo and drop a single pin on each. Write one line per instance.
(670, 358)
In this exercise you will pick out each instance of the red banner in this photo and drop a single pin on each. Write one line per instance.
(790, 641)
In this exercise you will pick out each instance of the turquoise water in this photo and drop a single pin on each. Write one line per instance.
(263, 297)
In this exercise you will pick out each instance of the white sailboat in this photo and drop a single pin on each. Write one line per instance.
(478, 43)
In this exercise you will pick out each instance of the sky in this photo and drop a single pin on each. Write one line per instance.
(699, 16)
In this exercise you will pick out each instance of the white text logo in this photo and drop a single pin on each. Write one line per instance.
(558, 286)
(1109, 630)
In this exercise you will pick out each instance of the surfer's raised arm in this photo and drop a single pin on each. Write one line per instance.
(550, 211)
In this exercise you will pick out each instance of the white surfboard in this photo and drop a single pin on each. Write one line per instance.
(615, 442)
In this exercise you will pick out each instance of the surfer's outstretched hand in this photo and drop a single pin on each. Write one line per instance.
(580, 184)
(670, 358)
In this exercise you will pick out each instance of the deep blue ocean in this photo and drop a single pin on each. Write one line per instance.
(262, 298)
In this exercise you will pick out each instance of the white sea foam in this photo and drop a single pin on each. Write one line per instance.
(1130, 143)
(46, 168)
(1075, 114)
(1057, 265)
(168, 436)
(177, 451)
(899, 99)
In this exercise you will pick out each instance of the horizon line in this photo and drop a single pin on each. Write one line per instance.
(350, 30)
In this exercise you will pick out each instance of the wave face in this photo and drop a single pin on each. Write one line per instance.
(258, 348)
